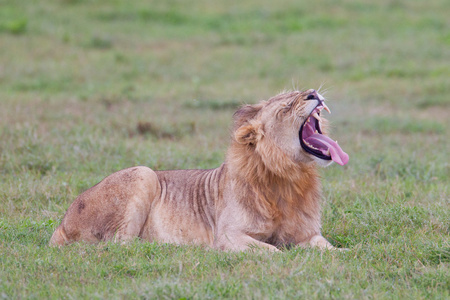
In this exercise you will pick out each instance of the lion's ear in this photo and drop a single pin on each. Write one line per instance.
(246, 113)
(248, 134)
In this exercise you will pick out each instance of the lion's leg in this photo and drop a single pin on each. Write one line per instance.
(320, 242)
(133, 219)
(114, 209)
(242, 242)
(59, 237)
(144, 188)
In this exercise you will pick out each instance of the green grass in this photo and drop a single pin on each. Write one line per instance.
(91, 87)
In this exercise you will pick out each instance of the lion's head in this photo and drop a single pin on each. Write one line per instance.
(288, 129)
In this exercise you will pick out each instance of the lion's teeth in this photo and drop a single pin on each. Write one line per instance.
(326, 108)
(315, 115)
(309, 145)
(316, 131)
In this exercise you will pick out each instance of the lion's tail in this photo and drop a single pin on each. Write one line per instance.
(59, 237)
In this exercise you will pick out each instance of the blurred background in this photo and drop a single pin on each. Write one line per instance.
(91, 87)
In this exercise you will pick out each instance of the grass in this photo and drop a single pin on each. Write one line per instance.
(88, 88)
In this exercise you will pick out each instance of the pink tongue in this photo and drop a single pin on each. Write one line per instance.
(324, 143)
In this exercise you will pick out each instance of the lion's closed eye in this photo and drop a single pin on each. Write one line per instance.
(285, 108)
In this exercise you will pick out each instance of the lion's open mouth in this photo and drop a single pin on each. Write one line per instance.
(314, 142)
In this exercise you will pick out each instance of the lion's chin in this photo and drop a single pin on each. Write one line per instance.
(321, 162)
(306, 158)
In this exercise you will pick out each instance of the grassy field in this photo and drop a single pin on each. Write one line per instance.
(90, 87)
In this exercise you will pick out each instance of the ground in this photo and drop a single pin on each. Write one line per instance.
(91, 87)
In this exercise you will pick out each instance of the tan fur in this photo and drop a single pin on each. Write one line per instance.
(266, 193)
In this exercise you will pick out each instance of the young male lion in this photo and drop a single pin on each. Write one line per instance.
(266, 193)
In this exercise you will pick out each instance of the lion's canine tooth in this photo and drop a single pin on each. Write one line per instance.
(315, 115)
(326, 108)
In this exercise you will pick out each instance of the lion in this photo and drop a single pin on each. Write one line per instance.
(266, 194)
